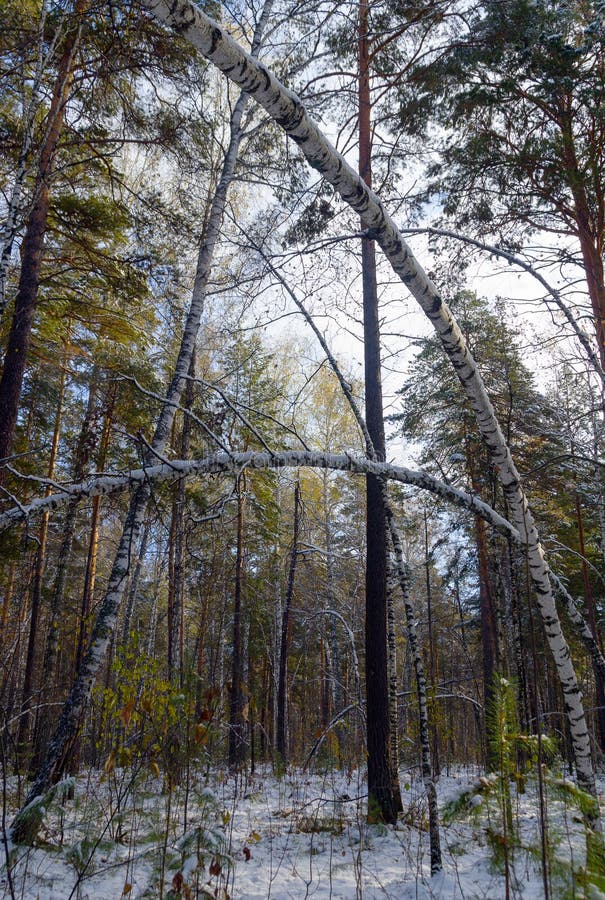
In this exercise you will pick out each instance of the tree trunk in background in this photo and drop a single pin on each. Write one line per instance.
(282, 686)
(6, 604)
(36, 597)
(178, 539)
(433, 672)
(133, 589)
(489, 640)
(89, 435)
(90, 574)
(393, 684)
(592, 620)
(336, 681)
(237, 726)
(423, 718)
(516, 637)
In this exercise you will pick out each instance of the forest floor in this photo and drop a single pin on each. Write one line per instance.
(123, 834)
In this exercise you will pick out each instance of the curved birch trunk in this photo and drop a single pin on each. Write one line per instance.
(515, 260)
(28, 819)
(288, 111)
(227, 462)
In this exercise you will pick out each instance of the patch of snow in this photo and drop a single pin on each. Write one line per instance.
(257, 837)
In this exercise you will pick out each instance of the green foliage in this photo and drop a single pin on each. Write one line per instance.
(151, 722)
(489, 802)
(516, 89)
(436, 412)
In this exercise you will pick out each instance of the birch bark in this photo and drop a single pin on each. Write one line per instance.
(288, 111)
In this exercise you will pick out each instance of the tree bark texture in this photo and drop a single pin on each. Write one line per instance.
(282, 684)
(17, 348)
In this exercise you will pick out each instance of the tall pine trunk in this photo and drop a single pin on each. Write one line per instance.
(17, 349)
(384, 797)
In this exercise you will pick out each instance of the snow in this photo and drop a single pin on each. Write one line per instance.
(253, 837)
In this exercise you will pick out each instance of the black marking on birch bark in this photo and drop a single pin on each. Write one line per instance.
(266, 78)
(216, 36)
(183, 18)
(293, 118)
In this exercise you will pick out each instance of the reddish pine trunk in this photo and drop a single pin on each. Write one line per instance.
(31, 250)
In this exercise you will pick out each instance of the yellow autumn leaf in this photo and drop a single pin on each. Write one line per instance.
(110, 763)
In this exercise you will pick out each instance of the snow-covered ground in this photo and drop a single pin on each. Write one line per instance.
(300, 836)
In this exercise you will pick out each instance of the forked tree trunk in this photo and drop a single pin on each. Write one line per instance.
(27, 821)
(287, 110)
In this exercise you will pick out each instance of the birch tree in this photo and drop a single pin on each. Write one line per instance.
(25, 826)
(288, 111)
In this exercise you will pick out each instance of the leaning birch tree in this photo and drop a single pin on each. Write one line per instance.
(288, 111)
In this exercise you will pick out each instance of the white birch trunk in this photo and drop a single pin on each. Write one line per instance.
(287, 110)
(423, 716)
(522, 264)
(228, 462)
(27, 821)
